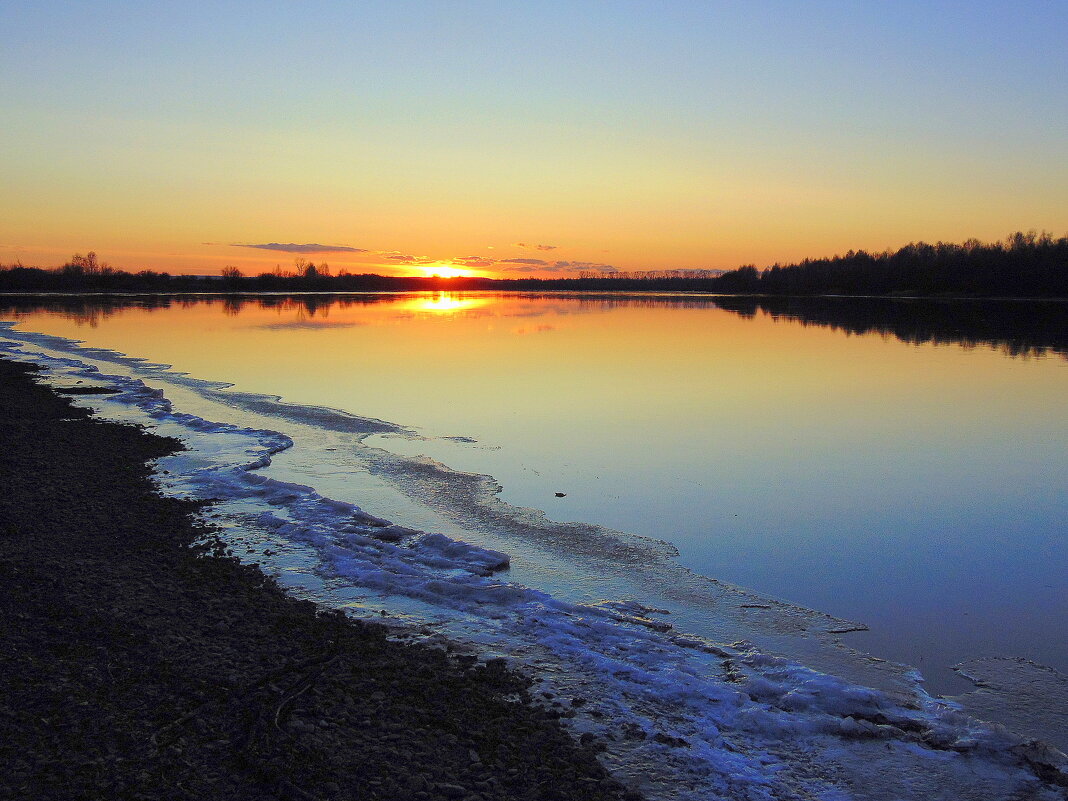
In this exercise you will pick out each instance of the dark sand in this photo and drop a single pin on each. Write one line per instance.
(136, 665)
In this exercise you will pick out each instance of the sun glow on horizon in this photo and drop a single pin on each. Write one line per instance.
(444, 270)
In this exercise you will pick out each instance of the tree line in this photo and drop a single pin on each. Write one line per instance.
(1022, 265)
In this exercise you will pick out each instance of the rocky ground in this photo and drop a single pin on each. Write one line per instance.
(137, 664)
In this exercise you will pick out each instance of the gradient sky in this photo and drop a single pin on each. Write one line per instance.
(670, 135)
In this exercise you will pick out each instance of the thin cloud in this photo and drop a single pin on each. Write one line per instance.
(474, 261)
(407, 258)
(536, 247)
(293, 247)
(533, 262)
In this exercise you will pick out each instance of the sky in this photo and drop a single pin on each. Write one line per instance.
(514, 139)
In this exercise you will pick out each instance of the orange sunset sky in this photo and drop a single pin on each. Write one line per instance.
(524, 138)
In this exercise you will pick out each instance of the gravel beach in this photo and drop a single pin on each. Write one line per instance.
(140, 661)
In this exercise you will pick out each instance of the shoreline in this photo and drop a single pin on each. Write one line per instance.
(590, 293)
(139, 663)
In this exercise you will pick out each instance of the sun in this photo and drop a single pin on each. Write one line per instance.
(446, 271)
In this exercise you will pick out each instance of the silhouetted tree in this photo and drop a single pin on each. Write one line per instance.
(1023, 265)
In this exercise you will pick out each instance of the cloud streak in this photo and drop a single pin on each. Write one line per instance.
(407, 258)
(474, 261)
(293, 247)
(525, 265)
(531, 262)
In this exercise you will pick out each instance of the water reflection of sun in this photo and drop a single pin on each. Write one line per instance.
(446, 302)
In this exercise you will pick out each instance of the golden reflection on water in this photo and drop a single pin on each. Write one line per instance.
(444, 303)
(579, 364)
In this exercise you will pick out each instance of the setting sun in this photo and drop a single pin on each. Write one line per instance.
(446, 271)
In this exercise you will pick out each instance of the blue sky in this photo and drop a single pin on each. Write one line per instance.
(648, 135)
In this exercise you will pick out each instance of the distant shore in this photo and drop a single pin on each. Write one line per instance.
(1024, 265)
(138, 663)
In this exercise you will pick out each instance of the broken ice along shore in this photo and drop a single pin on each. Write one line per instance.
(699, 689)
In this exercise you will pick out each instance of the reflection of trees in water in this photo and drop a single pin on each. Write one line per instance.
(1017, 328)
(91, 309)
(82, 309)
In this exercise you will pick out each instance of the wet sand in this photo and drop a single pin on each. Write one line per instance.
(140, 661)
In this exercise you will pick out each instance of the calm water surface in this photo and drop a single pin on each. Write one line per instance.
(809, 451)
